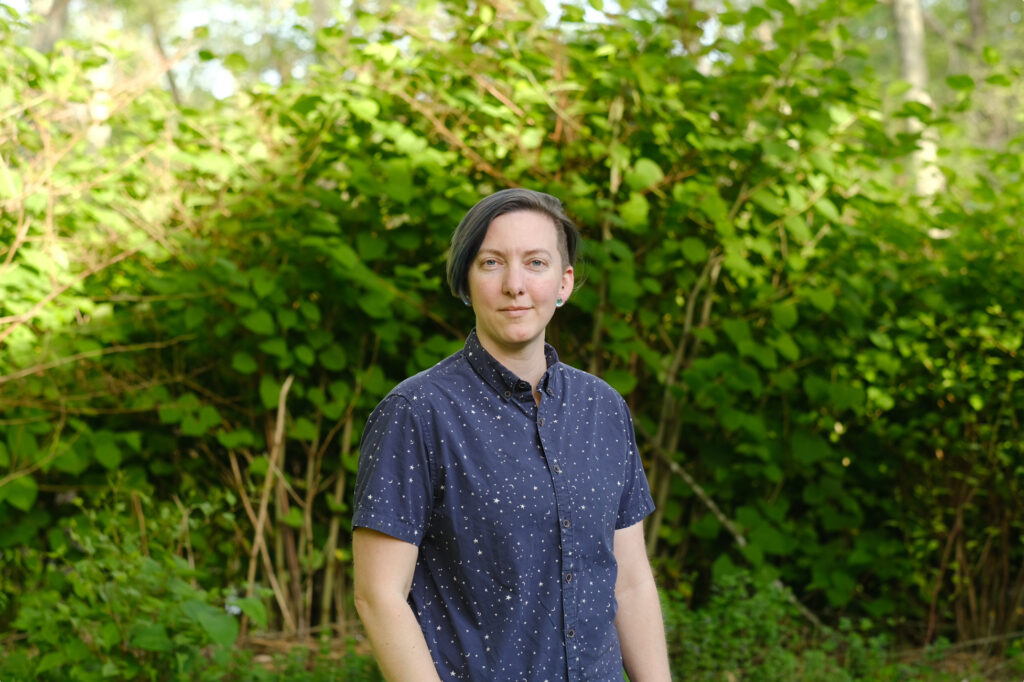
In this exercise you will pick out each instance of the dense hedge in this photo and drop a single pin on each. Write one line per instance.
(198, 308)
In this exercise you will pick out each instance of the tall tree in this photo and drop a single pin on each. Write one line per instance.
(55, 20)
(910, 34)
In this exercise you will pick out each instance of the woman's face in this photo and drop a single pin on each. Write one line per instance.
(515, 279)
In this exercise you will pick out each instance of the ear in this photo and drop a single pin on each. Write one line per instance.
(568, 280)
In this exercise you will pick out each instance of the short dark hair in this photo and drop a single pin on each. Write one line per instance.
(469, 235)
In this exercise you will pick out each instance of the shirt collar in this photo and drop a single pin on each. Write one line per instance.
(499, 377)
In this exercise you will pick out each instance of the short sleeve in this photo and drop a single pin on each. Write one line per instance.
(394, 493)
(636, 501)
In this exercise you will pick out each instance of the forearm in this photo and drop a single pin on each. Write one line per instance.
(642, 634)
(398, 643)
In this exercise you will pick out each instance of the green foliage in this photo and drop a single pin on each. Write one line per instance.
(835, 362)
(749, 630)
(111, 599)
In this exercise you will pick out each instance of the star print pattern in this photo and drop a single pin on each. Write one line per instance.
(514, 506)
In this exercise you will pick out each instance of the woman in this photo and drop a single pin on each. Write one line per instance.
(497, 525)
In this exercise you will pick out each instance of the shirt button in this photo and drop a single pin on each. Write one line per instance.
(557, 469)
(565, 523)
(540, 422)
(550, 392)
(571, 633)
(508, 394)
(568, 577)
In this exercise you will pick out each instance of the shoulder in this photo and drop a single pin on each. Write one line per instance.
(425, 387)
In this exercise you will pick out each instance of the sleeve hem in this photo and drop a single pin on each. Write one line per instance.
(382, 523)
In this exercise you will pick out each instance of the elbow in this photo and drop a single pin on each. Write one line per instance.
(362, 595)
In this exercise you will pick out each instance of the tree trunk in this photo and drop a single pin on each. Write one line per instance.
(909, 19)
(321, 12)
(158, 46)
(48, 32)
(976, 14)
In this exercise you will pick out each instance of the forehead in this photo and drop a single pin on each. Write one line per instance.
(521, 230)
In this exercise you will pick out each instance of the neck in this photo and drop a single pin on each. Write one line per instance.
(528, 362)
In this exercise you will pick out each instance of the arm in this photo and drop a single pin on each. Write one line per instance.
(383, 570)
(638, 621)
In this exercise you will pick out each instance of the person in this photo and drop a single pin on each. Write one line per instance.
(497, 527)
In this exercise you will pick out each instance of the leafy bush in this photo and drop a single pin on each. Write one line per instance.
(835, 362)
(113, 599)
(750, 630)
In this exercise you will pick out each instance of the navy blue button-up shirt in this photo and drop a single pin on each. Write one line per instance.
(514, 507)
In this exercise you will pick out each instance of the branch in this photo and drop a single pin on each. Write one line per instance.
(18, 320)
(134, 348)
(452, 138)
(736, 533)
(259, 542)
(49, 457)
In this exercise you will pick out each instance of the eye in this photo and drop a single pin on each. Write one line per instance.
(537, 263)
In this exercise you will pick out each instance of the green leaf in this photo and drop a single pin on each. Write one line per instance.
(531, 138)
(236, 439)
(808, 448)
(738, 331)
(105, 450)
(194, 316)
(151, 637)
(51, 661)
(822, 299)
(259, 322)
(236, 62)
(785, 344)
(72, 461)
(270, 392)
(293, 518)
(287, 318)
(243, 363)
(221, 627)
(765, 355)
(784, 315)
(706, 527)
(694, 250)
(303, 429)
(846, 396)
(305, 355)
(827, 209)
(20, 492)
(621, 380)
(991, 55)
(333, 358)
(311, 311)
(644, 174)
(259, 466)
(255, 609)
(634, 212)
(275, 346)
(5, 456)
(365, 109)
(960, 82)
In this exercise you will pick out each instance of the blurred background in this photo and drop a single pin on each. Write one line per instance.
(222, 239)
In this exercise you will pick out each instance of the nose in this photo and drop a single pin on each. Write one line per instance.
(513, 282)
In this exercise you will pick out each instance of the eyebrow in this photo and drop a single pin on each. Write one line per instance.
(531, 252)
